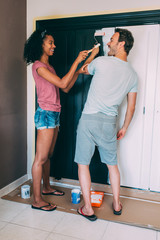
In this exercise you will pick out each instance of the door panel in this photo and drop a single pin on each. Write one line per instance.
(155, 159)
(136, 148)
(68, 45)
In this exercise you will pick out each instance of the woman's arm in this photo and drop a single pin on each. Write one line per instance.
(65, 81)
(75, 76)
(83, 70)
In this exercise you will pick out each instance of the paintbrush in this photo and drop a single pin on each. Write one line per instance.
(96, 46)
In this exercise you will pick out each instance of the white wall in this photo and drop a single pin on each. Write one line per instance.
(54, 8)
(41, 8)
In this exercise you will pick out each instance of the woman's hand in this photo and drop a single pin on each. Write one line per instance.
(82, 56)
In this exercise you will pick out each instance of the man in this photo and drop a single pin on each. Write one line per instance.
(113, 80)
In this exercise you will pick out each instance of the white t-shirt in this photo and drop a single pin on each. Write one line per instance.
(113, 79)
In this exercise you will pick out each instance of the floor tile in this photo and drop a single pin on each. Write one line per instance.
(15, 232)
(78, 227)
(19, 222)
(9, 209)
(46, 221)
(116, 231)
(56, 236)
(2, 224)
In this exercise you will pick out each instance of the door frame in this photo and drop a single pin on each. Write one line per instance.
(100, 21)
(76, 22)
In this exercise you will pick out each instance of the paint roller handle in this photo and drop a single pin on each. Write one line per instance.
(96, 46)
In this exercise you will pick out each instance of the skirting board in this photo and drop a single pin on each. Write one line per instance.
(13, 185)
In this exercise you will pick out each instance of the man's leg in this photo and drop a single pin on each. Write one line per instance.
(85, 182)
(85, 147)
(114, 177)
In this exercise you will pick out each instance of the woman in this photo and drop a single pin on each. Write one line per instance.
(38, 48)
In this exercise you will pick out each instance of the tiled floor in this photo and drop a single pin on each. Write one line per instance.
(19, 222)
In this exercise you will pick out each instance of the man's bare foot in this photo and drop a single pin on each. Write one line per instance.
(87, 211)
(91, 217)
(117, 208)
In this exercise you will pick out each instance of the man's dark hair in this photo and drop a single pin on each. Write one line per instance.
(127, 37)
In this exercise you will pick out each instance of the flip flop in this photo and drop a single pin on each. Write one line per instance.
(41, 208)
(89, 217)
(60, 193)
(117, 212)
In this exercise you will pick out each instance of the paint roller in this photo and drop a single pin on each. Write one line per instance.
(98, 38)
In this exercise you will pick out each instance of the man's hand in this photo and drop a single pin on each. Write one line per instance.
(121, 133)
(131, 102)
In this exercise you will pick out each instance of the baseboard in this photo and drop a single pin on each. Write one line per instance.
(65, 182)
(71, 183)
(13, 185)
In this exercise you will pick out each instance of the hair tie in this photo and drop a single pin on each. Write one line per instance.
(43, 33)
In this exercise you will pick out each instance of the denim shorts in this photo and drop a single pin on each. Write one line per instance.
(46, 119)
(99, 130)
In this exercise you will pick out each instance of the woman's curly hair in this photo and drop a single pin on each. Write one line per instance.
(33, 46)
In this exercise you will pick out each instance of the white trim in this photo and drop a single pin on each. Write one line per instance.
(155, 163)
(66, 183)
(12, 186)
(30, 119)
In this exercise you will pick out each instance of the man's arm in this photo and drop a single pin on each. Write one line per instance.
(94, 52)
(131, 102)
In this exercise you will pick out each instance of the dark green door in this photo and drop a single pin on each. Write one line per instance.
(68, 45)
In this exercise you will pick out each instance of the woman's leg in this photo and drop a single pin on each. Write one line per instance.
(46, 167)
(43, 145)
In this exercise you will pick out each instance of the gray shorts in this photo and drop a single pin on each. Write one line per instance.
(98, 130)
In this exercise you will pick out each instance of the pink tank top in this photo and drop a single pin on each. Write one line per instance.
(48, 96)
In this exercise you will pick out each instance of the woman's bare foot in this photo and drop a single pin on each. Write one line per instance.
(51, 191)
(43, 205)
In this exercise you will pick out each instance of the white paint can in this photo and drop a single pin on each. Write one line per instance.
(25, 191)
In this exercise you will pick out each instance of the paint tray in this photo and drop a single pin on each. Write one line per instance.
(96, 198)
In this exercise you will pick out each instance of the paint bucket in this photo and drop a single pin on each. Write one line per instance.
(96, 198)
(75, 195)
(25, 191)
